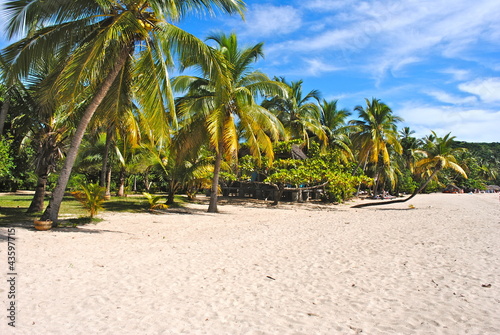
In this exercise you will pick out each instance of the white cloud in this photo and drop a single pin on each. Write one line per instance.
(316, 67)
(326, 5)
(473, 125)
(267, 20)
(449, 98)
(457, 74)
(488, 89)
(391, 34)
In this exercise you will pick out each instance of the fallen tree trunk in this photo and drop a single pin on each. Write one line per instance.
(400, 200)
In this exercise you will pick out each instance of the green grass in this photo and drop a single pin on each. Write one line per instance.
(13, 209)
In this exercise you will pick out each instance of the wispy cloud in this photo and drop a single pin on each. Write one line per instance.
(266, 20)
(475, 125)
(458, 74)
(487, 89)
(317, 66)
(384, 35)
(450, 98)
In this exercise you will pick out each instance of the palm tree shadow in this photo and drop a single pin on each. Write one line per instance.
(18, 219)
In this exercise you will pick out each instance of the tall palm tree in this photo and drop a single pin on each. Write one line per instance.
(98, 39)
(334, 122)
(409, 145)
(116, 118)
(439, 154)
(225, 112)
(299, 113)
(376, 133)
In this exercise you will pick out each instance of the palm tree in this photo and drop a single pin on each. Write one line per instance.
(409, 145)
(116, 118)
(438, 154)
(333, 121)
(300, 115)
(51, 142)
(222, 113)
(376, 133)
(99, 40)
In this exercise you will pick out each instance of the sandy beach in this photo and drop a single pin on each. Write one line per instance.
(254, 269)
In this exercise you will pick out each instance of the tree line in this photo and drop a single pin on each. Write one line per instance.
(88, 96)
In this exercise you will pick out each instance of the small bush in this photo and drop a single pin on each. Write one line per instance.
(91, 196)
(153, 201)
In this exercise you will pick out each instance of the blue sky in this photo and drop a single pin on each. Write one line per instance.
(435, 63)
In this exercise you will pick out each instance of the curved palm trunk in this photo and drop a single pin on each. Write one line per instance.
(52, 210)
(212, 207)
(401, 200)
(3, 113)
(39, 197)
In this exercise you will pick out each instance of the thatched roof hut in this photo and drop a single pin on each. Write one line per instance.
(493, 188)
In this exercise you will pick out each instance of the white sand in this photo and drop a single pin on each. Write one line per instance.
(295, 269)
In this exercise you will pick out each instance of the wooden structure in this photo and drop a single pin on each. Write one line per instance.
(266, 191)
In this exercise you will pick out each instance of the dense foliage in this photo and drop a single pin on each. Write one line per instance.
(107, 107)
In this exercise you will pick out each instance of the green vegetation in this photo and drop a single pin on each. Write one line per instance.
(6, 161)
(99, 110)
(91, 196)
(154, 201)
(13, 209)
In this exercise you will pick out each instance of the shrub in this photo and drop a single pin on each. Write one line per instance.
(91, 196)
(6, 161)
(153, 201)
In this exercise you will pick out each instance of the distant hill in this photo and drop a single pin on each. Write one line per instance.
(489, 152)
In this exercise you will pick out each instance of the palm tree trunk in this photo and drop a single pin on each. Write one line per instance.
(105, 160)
(52, 210)
(401, 200)
(121, 187)
(108, 182)
(375, 187)
(171, 197)
(3, 113)
(37, 201)
(212, 207)
(172, 190)
(146, 182)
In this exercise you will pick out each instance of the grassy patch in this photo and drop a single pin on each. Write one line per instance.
(13, 209)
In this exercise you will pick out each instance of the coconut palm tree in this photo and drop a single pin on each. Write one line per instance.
(438, 154)
(116, 119)
(223, 113)
(409, 145)
(99, 41)
(333, 121)
(376, 133)
(299, 113)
